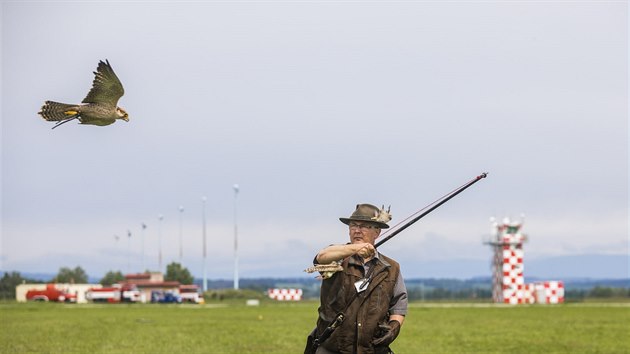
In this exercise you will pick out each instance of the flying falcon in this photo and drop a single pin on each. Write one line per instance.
(100, 104)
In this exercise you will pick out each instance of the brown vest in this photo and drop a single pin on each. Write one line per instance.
(371, 306)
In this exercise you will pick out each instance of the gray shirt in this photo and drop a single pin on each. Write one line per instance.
(398, 303)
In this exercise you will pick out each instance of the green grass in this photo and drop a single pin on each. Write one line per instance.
(282, 328)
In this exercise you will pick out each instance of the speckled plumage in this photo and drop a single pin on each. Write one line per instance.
(99, 106)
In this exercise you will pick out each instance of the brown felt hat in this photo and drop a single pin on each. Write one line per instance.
(369, 213)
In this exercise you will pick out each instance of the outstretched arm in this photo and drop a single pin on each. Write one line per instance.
(339, 252)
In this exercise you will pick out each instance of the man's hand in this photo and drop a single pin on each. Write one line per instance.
(339, 252)
(390, 332)
(366, 251)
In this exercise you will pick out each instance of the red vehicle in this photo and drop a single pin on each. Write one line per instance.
(116, 293)
(51, 293)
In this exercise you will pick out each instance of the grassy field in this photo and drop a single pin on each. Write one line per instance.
(282, 328)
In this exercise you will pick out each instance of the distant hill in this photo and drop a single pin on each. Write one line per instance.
(311, 286)
(446, 283)
(548, 268)
(581, 266)
(45, 277)
(583, 271)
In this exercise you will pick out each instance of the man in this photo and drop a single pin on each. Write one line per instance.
(369, 292)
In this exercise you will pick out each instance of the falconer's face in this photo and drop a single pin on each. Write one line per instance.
(363, 232)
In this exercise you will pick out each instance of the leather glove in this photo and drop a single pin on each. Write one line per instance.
(389, 333)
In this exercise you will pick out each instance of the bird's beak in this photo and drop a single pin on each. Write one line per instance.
(126, 118)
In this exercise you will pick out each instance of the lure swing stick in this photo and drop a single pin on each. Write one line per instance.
(327, 270)
(436, 205)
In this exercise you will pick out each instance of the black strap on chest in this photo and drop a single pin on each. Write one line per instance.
(340, 317)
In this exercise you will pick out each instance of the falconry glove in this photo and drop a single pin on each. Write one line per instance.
(388, 333)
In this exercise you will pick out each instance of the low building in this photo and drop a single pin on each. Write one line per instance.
(148, 282)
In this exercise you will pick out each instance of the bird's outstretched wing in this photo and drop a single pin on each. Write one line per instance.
(106, 87)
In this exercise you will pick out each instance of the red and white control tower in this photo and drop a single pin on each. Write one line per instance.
(508, 281)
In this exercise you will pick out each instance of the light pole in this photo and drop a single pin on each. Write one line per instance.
(144, 226)
(181, 252)
(203, 232)
(117, 238)
(128, 252)
(235, 240)
(160, 218)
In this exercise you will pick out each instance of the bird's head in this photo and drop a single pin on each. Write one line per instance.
(122, 114)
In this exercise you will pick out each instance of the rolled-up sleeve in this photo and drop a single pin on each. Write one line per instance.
(399, 302)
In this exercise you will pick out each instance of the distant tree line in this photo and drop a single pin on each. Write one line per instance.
(418, 293)
(8, 282)
(418, 289)
(71, 276)
(598, 292)
(175, 272)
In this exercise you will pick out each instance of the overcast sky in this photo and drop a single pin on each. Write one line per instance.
(312, 107)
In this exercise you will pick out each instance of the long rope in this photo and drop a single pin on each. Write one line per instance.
(327, 270)
(432, 206)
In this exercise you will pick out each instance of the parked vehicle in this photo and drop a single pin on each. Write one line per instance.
(190, 293)
(116, 293)
(51, 293)
(163, 297)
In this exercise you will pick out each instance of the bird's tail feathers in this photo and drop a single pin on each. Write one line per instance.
(56, 112)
